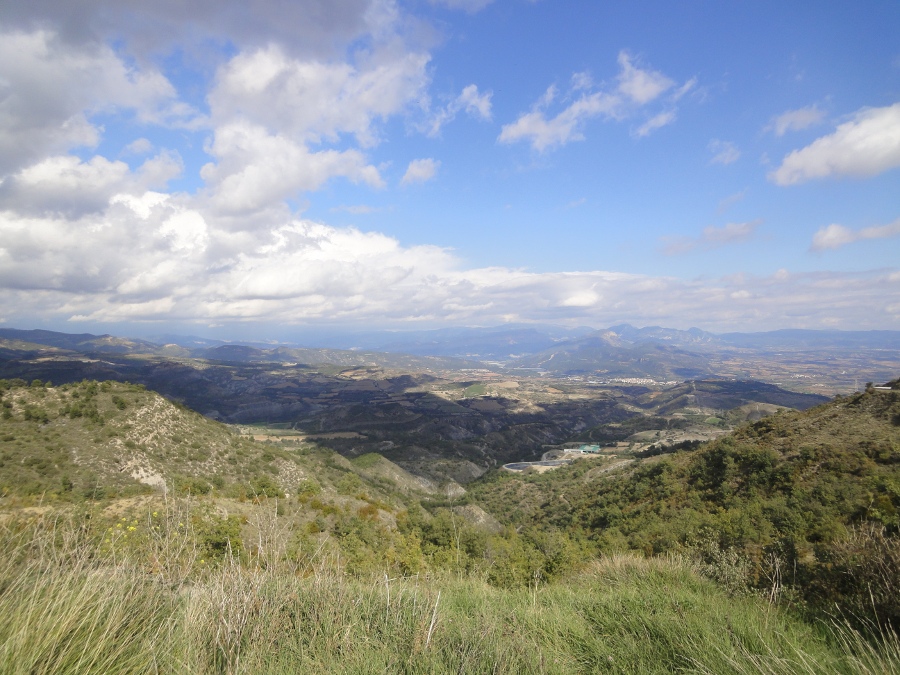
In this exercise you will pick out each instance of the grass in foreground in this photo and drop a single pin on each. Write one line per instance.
(69, 604)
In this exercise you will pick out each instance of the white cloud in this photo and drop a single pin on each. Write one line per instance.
(475, 103)
(566, 127)
(796, 120)
(582, 81)
(832, 236)
(641, 86)
(655, 122)
(309, 27)
(687, 87)
(356, 209)
(420, 171)
(312, 101)
(272, 111)
(713, 237)
(635, 88)
(150, 258)
(835, 236)
(866, 145)
(724, 152)
(274, 96)
(256, 169)
(65, 184)
(140, 146)
(470, 6)
(49, 88)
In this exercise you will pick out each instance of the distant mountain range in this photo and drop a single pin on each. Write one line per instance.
(16, 343)
(622, 351)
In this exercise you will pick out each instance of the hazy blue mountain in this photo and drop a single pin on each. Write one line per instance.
(606, 354)
(814, 339)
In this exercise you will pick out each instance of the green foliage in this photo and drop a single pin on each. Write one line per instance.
(350, 484)
(191, 485)
(780, 493)
(367, 460)
(790, 492)
(219, 537)
(860, 574)
(101, 434)
(308, 487)
(72, 602)
(264, 486)
(32, 413)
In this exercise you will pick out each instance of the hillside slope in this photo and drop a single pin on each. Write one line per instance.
(90, 439)
(798, 490)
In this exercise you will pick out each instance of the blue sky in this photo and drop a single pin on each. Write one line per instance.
(369, 163)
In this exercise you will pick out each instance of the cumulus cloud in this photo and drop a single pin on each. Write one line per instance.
(299, 98)
(420, 171)
(796, 120)
(309, 27)
(255, 168)
(271, 106)
(313, 101)
(154, 257)
(713, 237)
(473, 102)
(635, 88)
(835, 236)
(866, 145)
(724, 152)
(272, 112)
(66, 185)
(49, 88)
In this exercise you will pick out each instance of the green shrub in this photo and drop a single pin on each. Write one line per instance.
(263, 486)
(308, 487)
(191, 485)
(349, 484)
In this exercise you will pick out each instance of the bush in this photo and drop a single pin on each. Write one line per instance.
(263, 486)
(308, 487)
(350, 484)
(861, 574)
(192, 486)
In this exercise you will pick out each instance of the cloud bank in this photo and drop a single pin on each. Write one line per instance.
(155, 257)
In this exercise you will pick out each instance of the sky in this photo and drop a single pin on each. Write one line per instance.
(258, 169)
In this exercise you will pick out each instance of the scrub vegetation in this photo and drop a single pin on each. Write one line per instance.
(136, 536)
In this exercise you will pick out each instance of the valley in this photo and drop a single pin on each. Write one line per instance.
(438, 417)
(265, 480)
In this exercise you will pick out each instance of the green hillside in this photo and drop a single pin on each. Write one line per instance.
(816, 493)
(135, 531)
(109, 439)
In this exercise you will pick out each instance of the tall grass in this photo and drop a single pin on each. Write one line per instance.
(72, 602)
